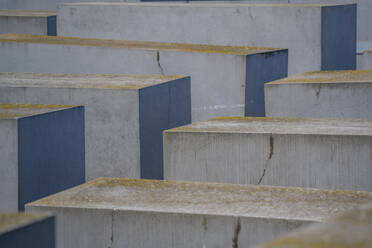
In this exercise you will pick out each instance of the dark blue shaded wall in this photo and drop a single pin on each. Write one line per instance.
(40, 234)
(339, 25)
(51, 153)
(52, 25)
(161, 107)
(260, 69)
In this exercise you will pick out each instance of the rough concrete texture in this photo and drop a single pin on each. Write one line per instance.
(318, 153)
(117, 117)
(145, 213)
(318, 37)
(41, 151)
(326, 94)
(350, 230)
(27, 230)
(28, 22)
(219, 74)
(365, 60)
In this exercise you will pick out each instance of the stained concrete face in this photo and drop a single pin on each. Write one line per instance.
(42, 152)
(342, 94)
(351, 229)
(319, 37)
(319, 153)
(28, 22)
(219, 74)
(27, 230)
(365, 60)
(125, 115)
(113, 212)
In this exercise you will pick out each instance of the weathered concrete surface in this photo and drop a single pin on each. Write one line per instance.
(319, 37)
(325, 94)
(349, 230)
(225, 80)
(317, 153)
(41, 151)
(124, 117)
(27, 230)
(45, 4)
(28, 22)
(144, 213)
(365, 60)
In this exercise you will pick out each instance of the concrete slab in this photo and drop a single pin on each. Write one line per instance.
(28, 22)
(225, 80)
(365, 60)
(319, 37)
(325, 94)
(144, 213)
(317, 153)
(125, 115)
(351, 229)
(27, 230)
(42, 152)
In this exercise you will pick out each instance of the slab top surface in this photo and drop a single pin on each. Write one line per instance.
(206, 198)
(27, 13)
(16, 111)
(138, 45)
(102, 81)
(328, 77)
(352, 229)
(207, 5)
(277, 125)
(12, 221)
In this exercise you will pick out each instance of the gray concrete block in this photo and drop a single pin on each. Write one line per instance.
(350, 229)
(27, 230)
(225, 80)
(125, 115)
(327, 94)
(28, 22)
(41, 151)
(319, 37)
(365, 60)
(137, 213)
(317, 153)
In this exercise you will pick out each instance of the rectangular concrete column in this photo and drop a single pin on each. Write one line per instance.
(318, 153)
(319, 37)
(27, 230)
(225, 80)
(350, 229)
(42, 152)
(28, 22)
(125, 115)
(135, 213)
(341, 94)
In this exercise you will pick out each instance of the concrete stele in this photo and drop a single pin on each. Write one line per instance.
(316, 153)
(118, 212)
(42, 152)
(349, 230)
(125, 115)
(28, 22)
(324, 94)
(318, 36)
(365, 60)
(27, 230)
(225, 80)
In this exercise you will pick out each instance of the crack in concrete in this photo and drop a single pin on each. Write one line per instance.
(112, 229)
(271, 153)
(237, 229)
(317, 92)
(158, 61)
